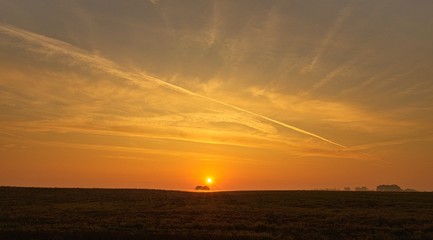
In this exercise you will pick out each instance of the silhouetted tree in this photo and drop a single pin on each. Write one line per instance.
(388, 188)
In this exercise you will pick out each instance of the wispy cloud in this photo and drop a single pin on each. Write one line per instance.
(329, 37)
(48, 46)
(386, 144)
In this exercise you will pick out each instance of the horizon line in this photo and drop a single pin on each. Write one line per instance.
(192, 190)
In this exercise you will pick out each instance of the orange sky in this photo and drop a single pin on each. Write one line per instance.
(256, 94)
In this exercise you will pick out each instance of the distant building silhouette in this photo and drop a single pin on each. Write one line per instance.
(388, 188)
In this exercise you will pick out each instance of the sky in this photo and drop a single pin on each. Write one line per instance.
(163, 94)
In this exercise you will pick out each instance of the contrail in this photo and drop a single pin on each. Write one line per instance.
(49, 46)
(183, 90)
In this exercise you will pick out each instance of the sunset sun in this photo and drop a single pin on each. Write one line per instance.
(209, 180)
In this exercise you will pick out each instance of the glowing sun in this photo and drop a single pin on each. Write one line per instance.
(209, 180)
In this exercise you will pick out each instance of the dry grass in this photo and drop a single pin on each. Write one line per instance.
(37, 213)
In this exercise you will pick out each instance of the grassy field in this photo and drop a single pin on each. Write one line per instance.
(38, 213)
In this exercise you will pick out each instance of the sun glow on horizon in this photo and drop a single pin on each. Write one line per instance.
(209, 180)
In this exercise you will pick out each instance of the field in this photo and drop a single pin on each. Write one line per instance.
(40, 213)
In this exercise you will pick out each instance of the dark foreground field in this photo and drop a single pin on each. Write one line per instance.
(36, 213)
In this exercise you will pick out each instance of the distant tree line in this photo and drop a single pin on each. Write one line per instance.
(382, 188)
(201, 188)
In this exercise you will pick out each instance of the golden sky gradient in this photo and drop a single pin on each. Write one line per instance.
(255, 94)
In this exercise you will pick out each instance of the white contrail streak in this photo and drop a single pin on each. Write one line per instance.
(183, 90)
(46, 45)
